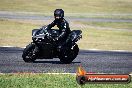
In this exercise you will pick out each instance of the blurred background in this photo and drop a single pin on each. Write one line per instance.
(106, 24)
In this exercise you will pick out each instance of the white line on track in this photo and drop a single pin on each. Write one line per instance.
(55, 73)
(89, 49)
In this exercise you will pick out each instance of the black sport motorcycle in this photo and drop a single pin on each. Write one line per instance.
(44, 46)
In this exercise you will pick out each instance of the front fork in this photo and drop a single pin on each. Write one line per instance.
(36, 50)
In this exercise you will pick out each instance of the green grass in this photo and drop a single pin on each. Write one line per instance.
(18, 33)
(74, 6)
(29, 80)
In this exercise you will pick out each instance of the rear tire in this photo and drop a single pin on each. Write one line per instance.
(67, 56)
(28, 55)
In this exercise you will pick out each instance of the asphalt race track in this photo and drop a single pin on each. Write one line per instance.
(92, 61)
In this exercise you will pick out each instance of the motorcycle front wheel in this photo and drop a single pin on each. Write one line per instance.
(28, 53)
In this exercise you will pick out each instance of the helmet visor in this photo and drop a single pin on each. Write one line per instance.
(57, 15)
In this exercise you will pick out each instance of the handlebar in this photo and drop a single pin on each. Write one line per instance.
(51, 38)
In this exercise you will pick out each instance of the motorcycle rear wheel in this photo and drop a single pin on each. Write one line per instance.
(67, 56)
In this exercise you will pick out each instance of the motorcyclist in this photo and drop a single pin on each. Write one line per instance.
(61, 23)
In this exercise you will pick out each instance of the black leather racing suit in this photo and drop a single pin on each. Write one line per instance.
(63, 26)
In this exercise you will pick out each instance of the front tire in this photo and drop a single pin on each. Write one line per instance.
(67, 56)
(28, 53)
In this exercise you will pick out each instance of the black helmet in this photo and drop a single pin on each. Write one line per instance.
(58, 13)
